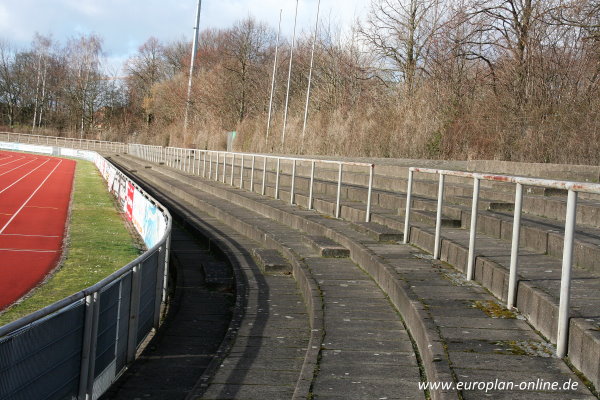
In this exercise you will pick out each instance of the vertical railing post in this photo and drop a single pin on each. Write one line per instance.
(438, 217)
(473, 231)
(232, 168)
(293, 184)
(277, 179)
(88, 351)
(224, 166)
(264, 178)
(312, 182)
(242, 173)
(252, 174)
(408, 205)
(339, 192)
(217, 168)
(165, 278)
(370, 192)
(562, 344)
(159, 285)
(514, 251)
(203, 163)
(134, 312)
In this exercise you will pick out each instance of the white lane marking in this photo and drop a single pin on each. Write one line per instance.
(30, 197)
(31, 250)
(10, 162)
(24, 235)
(23, 177)
(22, 165)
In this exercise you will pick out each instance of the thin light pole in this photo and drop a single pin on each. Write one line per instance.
(287, 94)
(194, 52)
(273, 78)
(312, 58)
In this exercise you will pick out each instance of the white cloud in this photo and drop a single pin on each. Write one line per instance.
(126, 24)
(88, 8)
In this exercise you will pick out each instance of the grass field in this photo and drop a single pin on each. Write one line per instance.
(99, 243)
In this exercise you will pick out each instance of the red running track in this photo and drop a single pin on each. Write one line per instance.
(35, 192)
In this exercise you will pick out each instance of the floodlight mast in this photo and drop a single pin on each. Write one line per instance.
(312, 58)
(194, 52)
(273, 78)
(287, 94)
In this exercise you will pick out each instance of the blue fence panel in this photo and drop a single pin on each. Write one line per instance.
(43, 360)
(123, 324)
(110, 308)
(148, 296)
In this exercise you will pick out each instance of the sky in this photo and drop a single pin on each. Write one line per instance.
(124, 25)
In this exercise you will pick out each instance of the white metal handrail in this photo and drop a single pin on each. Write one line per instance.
(567, 261)
(190, 161)
(87, 144)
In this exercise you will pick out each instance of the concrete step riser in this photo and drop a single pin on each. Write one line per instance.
(548, 207)
(306, 282)
(379, 232)
(540, 309)
(326, 247)
(541, 206)
(271, 261)
(423, 330)
(585, 255)
(457, 256)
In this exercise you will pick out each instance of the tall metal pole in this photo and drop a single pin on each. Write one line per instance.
(312, 58)
(287, 94)
(273, 78)
(194, 51)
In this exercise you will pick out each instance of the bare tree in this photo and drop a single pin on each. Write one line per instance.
(41, 47)
(145, 69)
(400, 32)
(245, 57)
(83, 54)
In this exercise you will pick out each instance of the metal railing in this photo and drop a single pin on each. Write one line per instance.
(567, 259)
(78, 346)
(74, 143)
(200, 162)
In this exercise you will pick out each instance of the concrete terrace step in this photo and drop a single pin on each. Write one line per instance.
(352, 239)
(265, 352)
(326, 247)
(379, 232)
(538, 300)
(537, 233)
(429, 218)
(485, 204)
(339, 281)
(494, 195)
(271, 261)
